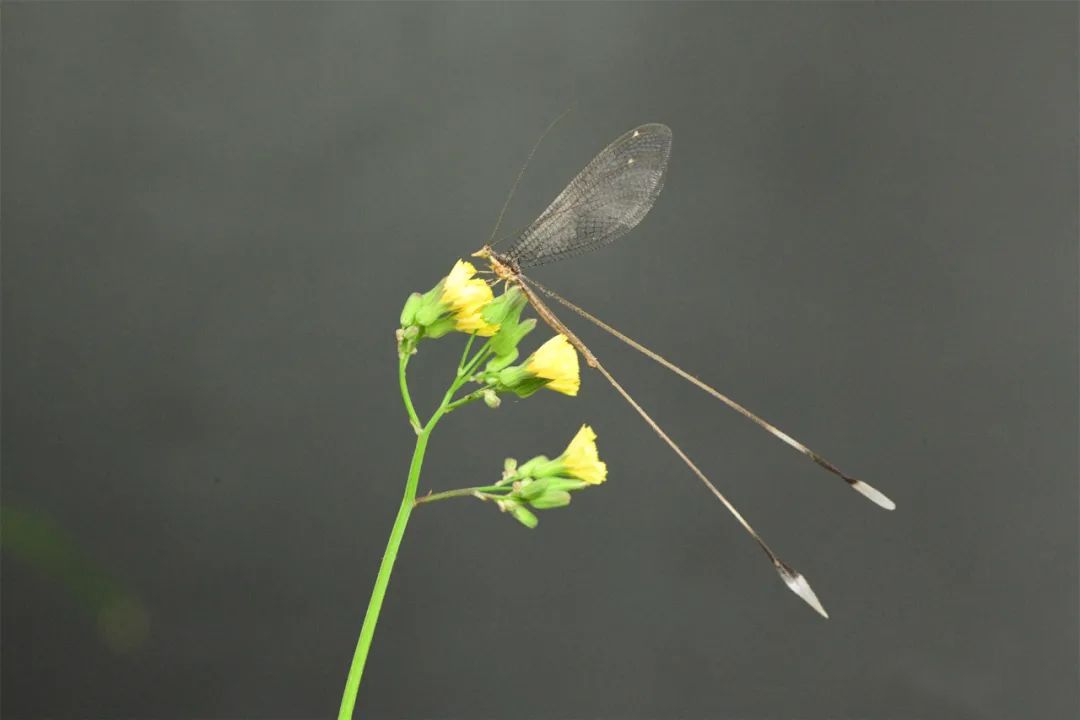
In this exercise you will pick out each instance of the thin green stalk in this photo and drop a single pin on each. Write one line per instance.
(460, 492)
(466, 399)
(465, 354)
(471, 366)
(405, 397)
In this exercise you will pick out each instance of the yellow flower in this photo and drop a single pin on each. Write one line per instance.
(581, 459)
(466, 298)
(557, 361)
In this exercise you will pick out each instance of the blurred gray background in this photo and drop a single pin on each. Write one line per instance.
(212, 214)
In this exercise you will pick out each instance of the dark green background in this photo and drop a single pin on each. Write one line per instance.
(212, 214)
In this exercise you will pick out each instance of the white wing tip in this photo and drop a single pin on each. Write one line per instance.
(798, 585)
(874, 495)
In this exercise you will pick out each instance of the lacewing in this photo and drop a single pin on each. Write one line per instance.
(607, 199)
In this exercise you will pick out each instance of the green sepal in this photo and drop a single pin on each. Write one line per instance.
(505, 308)
(530, 491)
(434, 295)
(427, 315)
(510, 334)
(431, 307)
(408, 313)
(511, 330)
(568, 484)
(529, 386)
(511, 377)
(501, 362)
(551, 499)
(523, 516)
(547, 468)
(439, 328)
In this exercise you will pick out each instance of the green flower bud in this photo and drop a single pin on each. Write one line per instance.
(428, 308)
(547, 492)
(551, 499)
(531, 489)
(523, 516)
(408, 313)
(526, 469)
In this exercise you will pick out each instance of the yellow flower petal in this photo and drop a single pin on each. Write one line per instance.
(557, 361)
(467, 298)
(582, 460)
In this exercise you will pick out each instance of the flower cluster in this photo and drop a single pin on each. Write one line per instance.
(455, 303)
(543, 484)
(464, 303)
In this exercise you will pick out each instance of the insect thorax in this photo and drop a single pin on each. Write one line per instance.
(503, 267)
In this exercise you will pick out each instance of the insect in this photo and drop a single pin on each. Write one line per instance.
(607, 199)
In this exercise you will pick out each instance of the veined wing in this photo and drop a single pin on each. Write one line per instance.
(606, 200)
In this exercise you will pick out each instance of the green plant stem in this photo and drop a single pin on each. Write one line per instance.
(382, 580)
(460, 492)
(408, 502)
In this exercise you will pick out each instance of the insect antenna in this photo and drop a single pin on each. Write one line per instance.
(521, 173)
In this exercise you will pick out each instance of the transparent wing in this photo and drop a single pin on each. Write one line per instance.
(605, 201)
